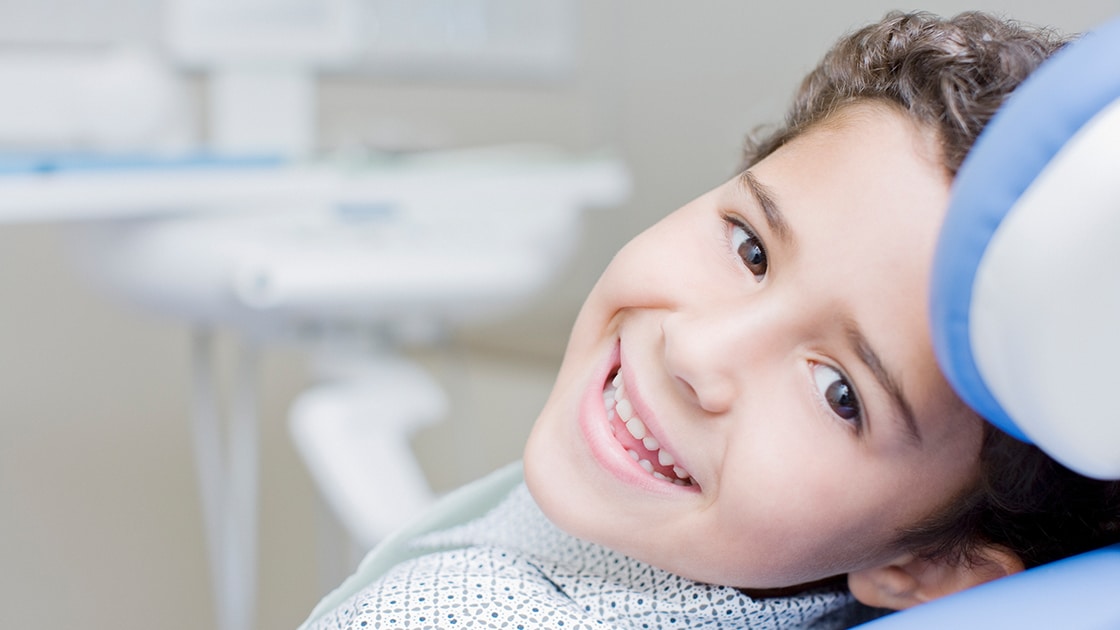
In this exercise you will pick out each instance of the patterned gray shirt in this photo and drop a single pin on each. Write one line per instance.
(514, 569)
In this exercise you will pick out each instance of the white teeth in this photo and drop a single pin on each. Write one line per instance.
(625, 410)
(608, 402)
(636, 428)
(617, 405)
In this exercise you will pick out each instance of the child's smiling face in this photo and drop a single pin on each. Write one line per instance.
(772, 339)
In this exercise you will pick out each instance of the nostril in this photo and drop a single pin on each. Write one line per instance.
(717, 396)
(703, 385)
(693, 360)
(687, 390)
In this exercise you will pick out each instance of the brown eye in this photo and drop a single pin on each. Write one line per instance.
(838, 393)
(749, 248)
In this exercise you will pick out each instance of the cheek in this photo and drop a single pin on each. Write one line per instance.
(810, 502)
(793, 487)
(954, 468)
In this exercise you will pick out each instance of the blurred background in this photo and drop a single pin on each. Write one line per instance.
(100, 517)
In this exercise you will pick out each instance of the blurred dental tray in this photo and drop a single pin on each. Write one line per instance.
(45, 163)
(90, 187)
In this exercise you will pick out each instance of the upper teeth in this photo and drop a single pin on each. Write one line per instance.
(614, 398)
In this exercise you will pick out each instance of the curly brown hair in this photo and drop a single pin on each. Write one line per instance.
(951, 75)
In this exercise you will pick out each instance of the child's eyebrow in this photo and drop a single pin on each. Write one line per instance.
(890, 384)
(774, 217)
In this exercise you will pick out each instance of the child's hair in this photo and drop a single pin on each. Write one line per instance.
(951, 75)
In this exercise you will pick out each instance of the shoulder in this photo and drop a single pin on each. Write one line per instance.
(460, 506)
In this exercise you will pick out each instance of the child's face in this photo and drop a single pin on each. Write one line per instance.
(790, 379)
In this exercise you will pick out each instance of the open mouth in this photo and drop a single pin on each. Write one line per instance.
(636, 439)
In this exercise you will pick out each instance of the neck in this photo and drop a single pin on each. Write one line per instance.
(836, 582)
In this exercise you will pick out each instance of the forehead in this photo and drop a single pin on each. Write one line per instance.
(874, 124)
(866, 166)
(759, 149)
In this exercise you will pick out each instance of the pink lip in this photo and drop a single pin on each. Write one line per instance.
(603, 446)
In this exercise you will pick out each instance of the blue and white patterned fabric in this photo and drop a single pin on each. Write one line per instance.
(514, 569)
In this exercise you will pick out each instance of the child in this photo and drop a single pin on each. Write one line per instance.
(749, 411)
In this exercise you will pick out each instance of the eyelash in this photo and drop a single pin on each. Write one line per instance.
(758, 250)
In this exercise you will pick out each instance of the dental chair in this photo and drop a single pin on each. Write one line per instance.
(1026, 325)
(1026, 315)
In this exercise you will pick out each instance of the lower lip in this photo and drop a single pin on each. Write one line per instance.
(605, 449)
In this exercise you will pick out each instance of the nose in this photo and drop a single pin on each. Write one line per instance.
(714, 354)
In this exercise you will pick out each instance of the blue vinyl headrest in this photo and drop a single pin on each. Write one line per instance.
(1026, 281)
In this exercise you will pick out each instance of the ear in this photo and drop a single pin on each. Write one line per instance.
(909, 580)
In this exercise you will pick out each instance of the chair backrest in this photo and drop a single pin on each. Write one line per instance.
(1026, 285)
(1026, 314)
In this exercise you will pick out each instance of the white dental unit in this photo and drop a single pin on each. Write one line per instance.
(350, 258)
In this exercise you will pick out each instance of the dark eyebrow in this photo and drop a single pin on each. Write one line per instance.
(774, 217)
(867, 354)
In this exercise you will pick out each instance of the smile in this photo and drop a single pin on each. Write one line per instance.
(635, 438)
